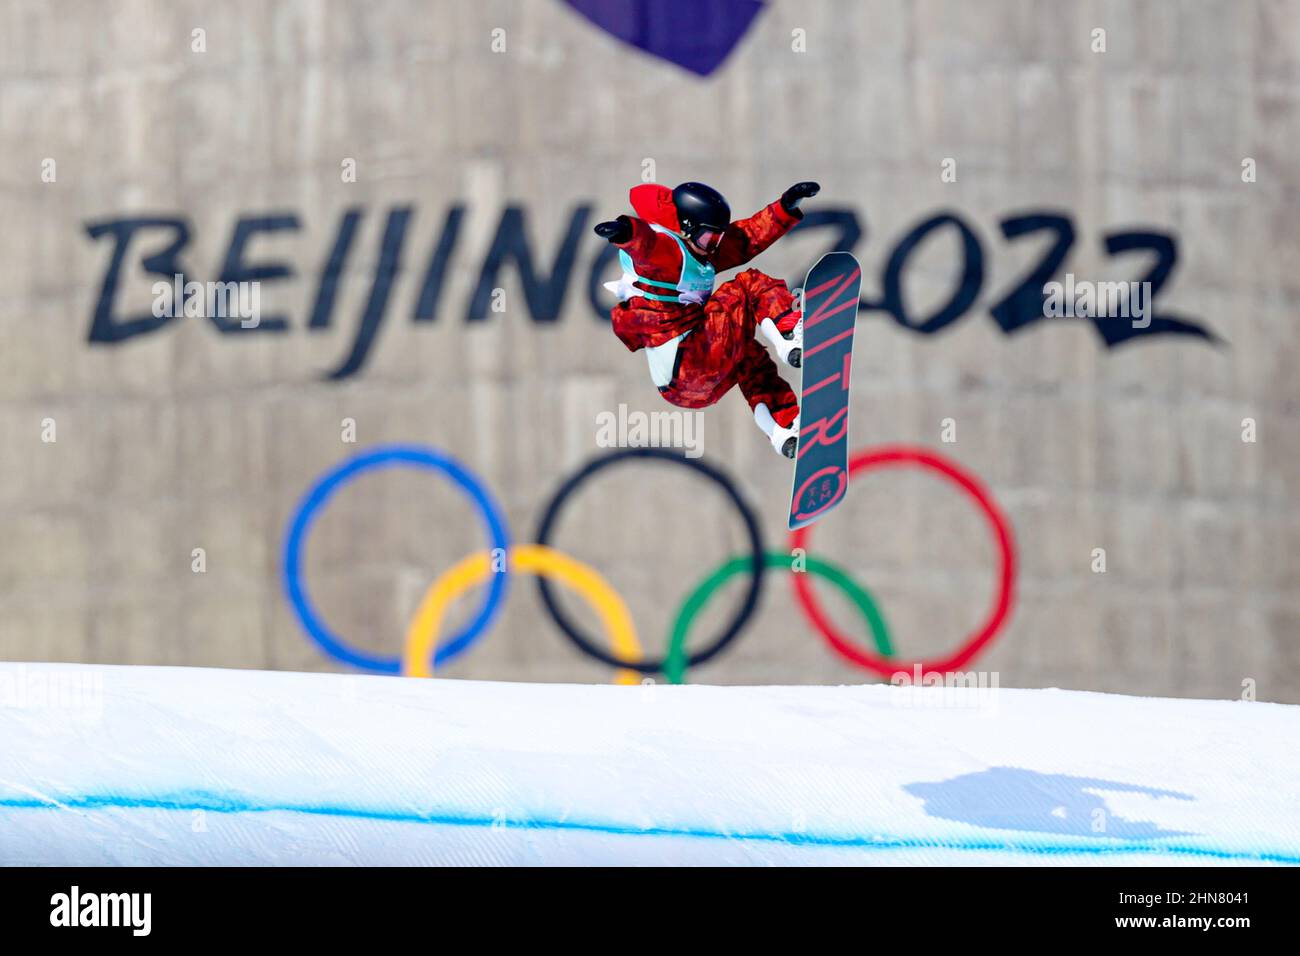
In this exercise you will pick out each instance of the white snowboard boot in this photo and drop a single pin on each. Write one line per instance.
(788, 345)
(784, 440)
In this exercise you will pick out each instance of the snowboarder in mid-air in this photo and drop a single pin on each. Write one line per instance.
(701, 342)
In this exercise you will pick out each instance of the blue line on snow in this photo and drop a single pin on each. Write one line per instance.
(216, 804)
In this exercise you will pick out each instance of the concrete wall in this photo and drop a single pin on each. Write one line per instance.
(189, 438)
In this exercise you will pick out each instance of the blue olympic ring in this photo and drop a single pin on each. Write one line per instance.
(380, 457)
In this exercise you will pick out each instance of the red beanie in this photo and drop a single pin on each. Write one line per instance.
(654, 203)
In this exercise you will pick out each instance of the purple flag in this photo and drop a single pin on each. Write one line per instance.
(695, 34)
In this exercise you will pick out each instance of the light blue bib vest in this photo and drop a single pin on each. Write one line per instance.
(694, 285)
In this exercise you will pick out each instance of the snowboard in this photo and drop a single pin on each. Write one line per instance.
(830, 310)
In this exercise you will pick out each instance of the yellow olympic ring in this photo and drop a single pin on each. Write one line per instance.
(422, 634)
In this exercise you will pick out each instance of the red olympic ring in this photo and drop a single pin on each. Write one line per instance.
(903, 455)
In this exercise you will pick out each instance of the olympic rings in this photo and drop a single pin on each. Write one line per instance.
(422, 634)
(897, 456)
(675, 665)
(385, 456)
(626, 653)
(757, 561)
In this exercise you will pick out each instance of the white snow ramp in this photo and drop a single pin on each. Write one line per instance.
(143, 765)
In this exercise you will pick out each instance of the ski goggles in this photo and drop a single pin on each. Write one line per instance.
(707, 238)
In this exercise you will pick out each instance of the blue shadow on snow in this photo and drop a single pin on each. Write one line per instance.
(1009, 798)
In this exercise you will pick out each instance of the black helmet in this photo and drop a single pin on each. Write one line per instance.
(701, 208)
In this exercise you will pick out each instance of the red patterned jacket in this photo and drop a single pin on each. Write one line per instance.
(641, 322)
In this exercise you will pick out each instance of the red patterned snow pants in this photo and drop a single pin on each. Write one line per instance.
(722, 351)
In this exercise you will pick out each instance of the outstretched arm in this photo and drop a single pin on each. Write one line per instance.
(634, 236)
(636, 328)
(746, 238)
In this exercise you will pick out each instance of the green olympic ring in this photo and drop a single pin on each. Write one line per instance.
(675, 661)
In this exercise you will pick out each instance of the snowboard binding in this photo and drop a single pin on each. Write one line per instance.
(785, 440)
(784, 333)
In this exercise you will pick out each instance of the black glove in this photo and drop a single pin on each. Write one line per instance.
(791, 197)
(616, 230)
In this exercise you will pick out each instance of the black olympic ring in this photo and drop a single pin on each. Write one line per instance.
(718, 477)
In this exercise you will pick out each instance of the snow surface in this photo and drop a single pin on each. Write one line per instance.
(156, 765)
